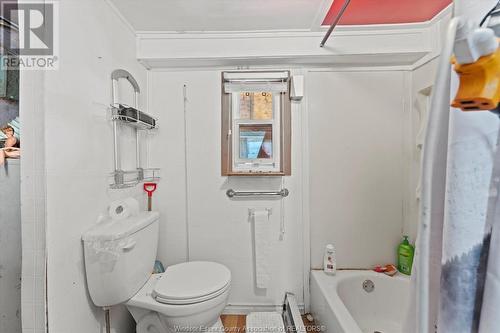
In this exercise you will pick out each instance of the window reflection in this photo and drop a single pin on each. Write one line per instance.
(256, 141)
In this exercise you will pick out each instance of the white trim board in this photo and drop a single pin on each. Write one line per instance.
(311, 68)
(306, 222)
(350, 60)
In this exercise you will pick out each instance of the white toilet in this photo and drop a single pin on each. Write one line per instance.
(119, 258)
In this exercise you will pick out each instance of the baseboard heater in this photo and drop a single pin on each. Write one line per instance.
(291, 315)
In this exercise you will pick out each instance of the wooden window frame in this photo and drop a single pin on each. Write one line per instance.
(284, 136)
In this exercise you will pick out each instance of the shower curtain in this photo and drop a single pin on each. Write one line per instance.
(470, 276)
(465, 242)
(489, 263)
(467, 230)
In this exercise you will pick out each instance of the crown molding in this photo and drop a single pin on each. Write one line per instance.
(359, 46)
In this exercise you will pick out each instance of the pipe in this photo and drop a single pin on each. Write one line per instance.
(115, 127)
(434, 172)
(186, 168)
(107, 319)
(123, 74)
(335, 22)
(138, 148)
(115, 76)
(137, 138)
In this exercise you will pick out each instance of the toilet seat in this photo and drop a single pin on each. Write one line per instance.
(143, 302)
(191, 300)
(192, 282)
(175, 315)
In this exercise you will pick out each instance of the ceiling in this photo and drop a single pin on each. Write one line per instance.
(386, 11)
(220, 15)
(255, 15)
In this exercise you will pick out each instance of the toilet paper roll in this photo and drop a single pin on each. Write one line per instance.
(121, 209)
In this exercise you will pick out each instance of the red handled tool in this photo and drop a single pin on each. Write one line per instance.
(150, 188)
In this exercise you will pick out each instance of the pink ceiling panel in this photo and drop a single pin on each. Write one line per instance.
(362, 12)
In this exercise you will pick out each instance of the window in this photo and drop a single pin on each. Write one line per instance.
(256, 116)
(256, 123)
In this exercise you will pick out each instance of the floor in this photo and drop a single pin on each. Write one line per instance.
(236, 323)
(233, 323)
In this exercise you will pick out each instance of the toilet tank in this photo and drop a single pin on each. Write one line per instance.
(120, 256)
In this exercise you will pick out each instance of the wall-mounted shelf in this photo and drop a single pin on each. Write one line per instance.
(133, 117)
(130, 116)
(126, 179)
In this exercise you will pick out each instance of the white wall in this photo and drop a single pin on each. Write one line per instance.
(421, 87)
(10, 247)
(356, 148)
(198, 221)
(94, 42)
(350, 164)
(33, 199)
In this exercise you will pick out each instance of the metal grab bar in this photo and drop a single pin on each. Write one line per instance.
(233, 194)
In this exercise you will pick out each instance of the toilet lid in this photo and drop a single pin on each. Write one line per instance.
(192, 282)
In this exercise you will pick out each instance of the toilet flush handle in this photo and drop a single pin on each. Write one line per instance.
(129, 246)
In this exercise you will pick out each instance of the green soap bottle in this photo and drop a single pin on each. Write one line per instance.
(405, 256)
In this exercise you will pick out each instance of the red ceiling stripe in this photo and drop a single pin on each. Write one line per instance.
(386, 11)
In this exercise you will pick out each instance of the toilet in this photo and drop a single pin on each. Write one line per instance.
(119, 259)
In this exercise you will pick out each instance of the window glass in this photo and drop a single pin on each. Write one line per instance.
(256, 105)
(256, 141)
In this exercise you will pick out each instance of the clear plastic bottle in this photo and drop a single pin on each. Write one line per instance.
(329, 261)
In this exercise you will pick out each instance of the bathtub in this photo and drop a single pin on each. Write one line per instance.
(340, 303)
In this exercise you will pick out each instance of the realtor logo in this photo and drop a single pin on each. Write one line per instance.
(30, 36)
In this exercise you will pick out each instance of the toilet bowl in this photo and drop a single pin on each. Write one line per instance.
(119, 258)
(188, 297)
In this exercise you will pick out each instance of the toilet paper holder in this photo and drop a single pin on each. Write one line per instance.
(251, 212)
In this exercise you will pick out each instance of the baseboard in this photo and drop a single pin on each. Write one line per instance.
(243, 309)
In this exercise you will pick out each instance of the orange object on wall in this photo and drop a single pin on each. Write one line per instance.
(479, 84)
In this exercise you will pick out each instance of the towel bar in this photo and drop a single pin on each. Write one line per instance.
(233, 194)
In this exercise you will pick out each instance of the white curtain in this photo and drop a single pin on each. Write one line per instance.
(490, 307)
(467, 229)
(463, 297)
(472, 145)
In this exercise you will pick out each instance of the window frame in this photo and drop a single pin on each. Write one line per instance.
(281, 132)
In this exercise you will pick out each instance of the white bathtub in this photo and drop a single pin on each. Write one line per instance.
(341, 305)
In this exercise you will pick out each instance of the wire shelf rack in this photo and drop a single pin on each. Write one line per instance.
(131, 116)
(127, 179)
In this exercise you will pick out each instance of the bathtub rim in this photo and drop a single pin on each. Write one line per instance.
(329, 283)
